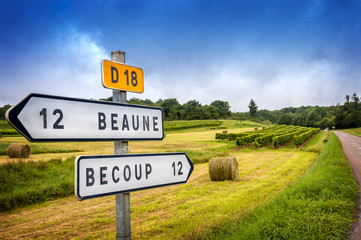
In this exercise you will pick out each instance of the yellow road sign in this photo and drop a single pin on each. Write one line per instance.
(122, 77)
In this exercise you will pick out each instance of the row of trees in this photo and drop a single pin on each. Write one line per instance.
(347, 115)
(191, 110)
(173, 110)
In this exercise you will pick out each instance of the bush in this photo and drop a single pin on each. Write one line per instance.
(230, 136)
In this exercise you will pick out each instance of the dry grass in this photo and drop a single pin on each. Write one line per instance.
(185, 211)
(190, 211)
(200, 141)
(84, 148)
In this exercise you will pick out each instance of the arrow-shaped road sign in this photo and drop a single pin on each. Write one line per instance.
(97, 176)
(48, 118)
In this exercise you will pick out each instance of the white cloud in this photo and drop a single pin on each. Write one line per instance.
(72, 69)
(68, 66)
(80, 64)
(272, 83)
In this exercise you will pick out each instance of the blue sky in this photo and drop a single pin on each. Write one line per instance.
(278, 52)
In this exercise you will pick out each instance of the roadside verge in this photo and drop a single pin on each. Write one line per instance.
(319, 206)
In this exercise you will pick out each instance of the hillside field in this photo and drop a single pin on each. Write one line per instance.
(200, 209)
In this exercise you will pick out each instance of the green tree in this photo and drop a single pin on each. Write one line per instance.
(3, 111)
(170, 108)
(339, 117)
(222, 108)
(141, 101)
(238, 116)
(267, 115)
(352, 119)
(327, 122)
(313, 117)
(286, 119)
(190, 108)
(201, 113)
(347, 103)
(355, 99)
(252, 108)
(213, 112)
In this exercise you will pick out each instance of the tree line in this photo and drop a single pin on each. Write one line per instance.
(191, 110)
(340, 116)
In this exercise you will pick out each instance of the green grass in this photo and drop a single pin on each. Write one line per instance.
(7, 130)
(25, 183)
(319, 206)
(277, 195)
(249, 124)
(225, 124)
(316, 144)
(3, 147)
(354, 131)
(202, 156)
(38, 149)
(231, 124)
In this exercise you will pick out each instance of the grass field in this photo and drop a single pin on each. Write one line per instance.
(7, 130)
(319, 206)
(354, 131)
(198, 143)
(200, 209)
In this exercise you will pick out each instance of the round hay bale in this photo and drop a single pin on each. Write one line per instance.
(225, 131)
(18, 150)
(256, 128)
(223, 168)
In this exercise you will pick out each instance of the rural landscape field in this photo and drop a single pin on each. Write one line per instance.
(287, 192)
(181, 119)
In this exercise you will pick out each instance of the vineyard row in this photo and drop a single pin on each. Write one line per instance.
(179, 125)
(276, 135)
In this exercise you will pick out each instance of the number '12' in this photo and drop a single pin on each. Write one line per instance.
(180, 165)
(57, 124)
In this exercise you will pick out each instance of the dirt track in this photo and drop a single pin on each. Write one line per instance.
(352, 149)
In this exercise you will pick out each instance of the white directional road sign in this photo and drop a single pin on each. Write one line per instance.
(97, 176)
(43, 118)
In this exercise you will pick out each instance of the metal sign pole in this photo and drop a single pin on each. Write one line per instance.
(121, 147)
